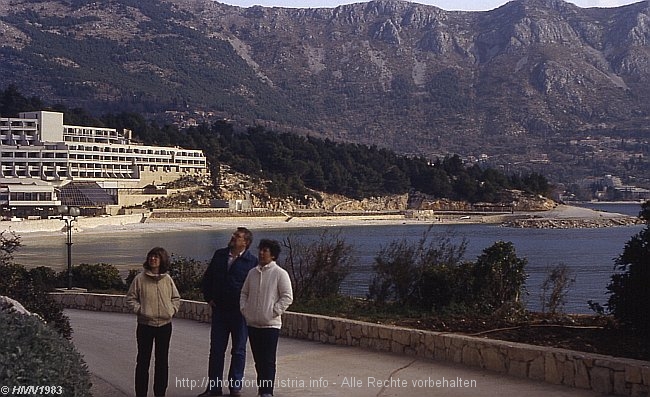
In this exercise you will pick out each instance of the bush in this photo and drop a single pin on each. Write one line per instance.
(317, 269)
(43, 277)
(499, 278)
(425, 274)
(555, 288)
(130, 276)
(187, 274)
(9, 243)
(16, 282)
(29, 287)
(430, 275)
(100, 276)
(629, 291)
(32, 354)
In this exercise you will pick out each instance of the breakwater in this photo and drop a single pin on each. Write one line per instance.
(548, 223)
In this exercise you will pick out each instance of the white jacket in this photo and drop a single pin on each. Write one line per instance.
(266, 294)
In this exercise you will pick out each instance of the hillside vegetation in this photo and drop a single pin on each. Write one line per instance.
(298, 167)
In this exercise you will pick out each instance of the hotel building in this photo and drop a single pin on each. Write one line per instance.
(37, 146)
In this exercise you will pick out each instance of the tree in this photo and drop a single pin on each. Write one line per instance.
(499, 277)
(629, 292)
(13, 102)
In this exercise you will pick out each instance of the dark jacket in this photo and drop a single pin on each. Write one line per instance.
(223, 286)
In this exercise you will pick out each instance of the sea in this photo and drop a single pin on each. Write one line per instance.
(588, 253)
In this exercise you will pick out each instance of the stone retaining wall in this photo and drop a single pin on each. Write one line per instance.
(603, 374)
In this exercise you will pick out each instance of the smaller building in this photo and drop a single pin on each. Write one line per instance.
(27, 197)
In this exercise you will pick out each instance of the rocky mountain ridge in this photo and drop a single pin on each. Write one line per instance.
(516, 83)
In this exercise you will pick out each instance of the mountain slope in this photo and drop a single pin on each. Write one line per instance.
(511, 81)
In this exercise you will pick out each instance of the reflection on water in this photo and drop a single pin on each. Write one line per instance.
(588, 252)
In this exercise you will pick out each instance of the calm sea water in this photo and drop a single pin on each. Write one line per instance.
(589, 253)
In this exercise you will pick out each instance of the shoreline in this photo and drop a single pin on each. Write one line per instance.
(566, 214)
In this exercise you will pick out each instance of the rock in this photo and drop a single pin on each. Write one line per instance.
(12, 305)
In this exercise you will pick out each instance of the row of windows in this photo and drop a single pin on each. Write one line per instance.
(17, 123)
(30, 196)
(94, 161)
(63, 155)
(34, 155)
(80, 131)
(158, 152)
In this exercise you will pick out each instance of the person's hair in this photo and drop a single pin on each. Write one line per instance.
(248, 235)
(162, 254)
(272, 245)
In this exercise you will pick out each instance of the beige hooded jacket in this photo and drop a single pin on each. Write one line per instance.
(154, 298)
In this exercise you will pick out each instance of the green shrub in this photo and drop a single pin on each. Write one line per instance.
(430, 275)
(629, 290)
(187, 274)
(425, 274)
(317, 269)
(100, 276)
(33, 354)
(18, 283)
(499, 277)
(43, 277)
(9, 243)
(555, 288)
(130, 276)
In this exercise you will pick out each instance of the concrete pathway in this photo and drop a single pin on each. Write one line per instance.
(107, 342)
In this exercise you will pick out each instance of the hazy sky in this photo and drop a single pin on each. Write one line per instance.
(468, 5)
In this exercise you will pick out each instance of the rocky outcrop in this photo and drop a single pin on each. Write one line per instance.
(508, 201)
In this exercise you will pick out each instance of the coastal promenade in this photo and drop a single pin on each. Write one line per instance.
(305, 368)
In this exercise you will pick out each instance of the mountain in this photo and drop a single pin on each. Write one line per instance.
(524, 84)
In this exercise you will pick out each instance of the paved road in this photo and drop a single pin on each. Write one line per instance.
(107, 342)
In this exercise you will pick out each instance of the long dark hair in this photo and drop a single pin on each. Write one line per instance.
(164, 259)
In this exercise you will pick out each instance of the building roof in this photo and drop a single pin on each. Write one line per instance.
(85, 194)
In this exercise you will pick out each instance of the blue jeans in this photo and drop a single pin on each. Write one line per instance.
(145, 336)
(264, 345)
(227, 324)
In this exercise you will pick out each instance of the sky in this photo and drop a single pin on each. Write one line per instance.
(449, 5)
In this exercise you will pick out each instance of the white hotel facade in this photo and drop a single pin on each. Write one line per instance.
(39, 155)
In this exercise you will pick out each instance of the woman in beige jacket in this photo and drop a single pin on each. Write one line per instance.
(154, 298)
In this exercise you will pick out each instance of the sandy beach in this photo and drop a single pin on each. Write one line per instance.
(138, 224)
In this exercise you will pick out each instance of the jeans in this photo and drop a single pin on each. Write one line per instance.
(225, 324)
(146, 336)
(264, 345)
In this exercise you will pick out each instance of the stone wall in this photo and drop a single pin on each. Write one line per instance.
(603, 374)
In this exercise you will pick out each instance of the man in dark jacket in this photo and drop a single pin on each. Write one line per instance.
(222, 283)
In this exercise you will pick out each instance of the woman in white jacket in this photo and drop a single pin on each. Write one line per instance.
(154, 298)
(266, 294)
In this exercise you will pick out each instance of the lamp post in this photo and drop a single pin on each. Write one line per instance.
(69, 215)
